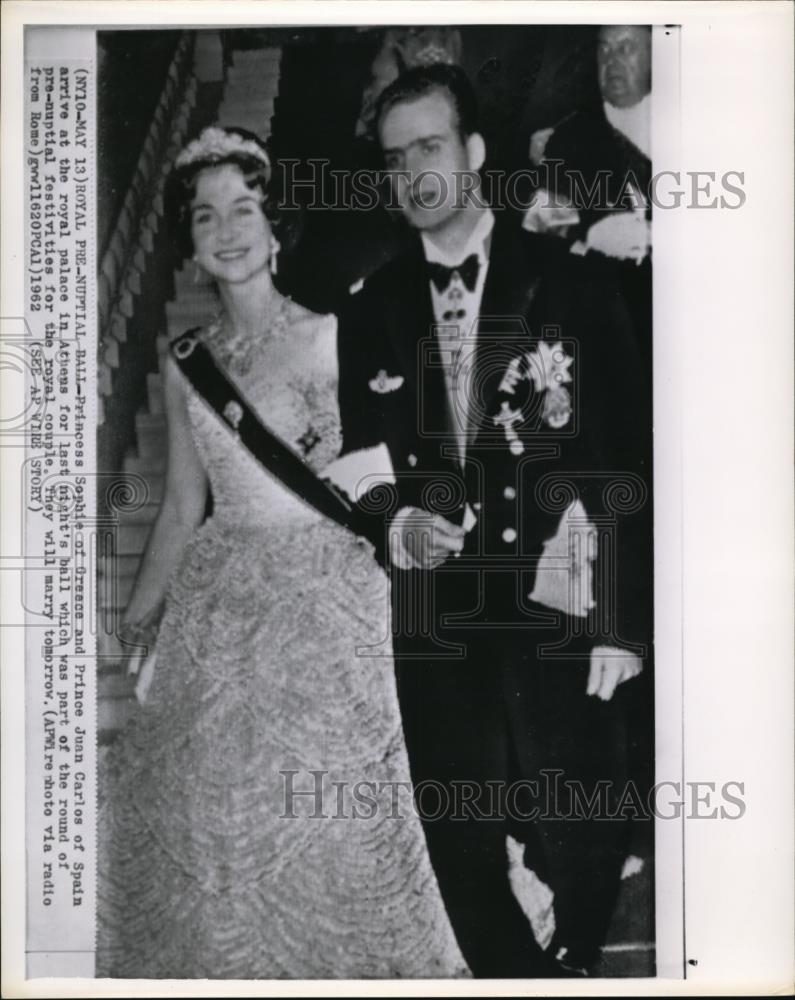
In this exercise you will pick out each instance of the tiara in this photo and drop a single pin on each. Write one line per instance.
(216, 144)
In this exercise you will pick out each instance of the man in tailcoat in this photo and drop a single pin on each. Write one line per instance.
(597, 160)
(516, 410)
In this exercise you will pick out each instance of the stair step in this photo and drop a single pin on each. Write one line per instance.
(249, 103)
(237, 76)
(131, 537)
(253, 115)
(133, 491)
(145, 465)
(145, 514)
(195, 295)
(108, 646)
(255, 58)
(121, 589)
(189, 281)
(246, 106)
(113, 655)
(262, 98)
(267, 77)
(240, 56)
(255, 88)
(244, 76)
(117, 608)
(106, 668)
(114, 714)
(265, 91)
(185, 314)
(144, 420)
(116, 685)
(152, 444)
(155, 484)
(151, 437)
(162, 340)
(115, 583)
(120, 565)
(154, 393)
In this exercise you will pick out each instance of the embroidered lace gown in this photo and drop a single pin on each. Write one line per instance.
(212, 863)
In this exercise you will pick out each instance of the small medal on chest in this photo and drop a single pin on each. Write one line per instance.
(308, 440)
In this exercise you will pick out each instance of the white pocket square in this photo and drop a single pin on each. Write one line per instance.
(385, 383)
(564, 577)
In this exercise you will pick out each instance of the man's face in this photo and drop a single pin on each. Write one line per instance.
(424, 150)
(623, 57)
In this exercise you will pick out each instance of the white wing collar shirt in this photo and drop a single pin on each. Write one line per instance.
(456, 310)
(634, 122)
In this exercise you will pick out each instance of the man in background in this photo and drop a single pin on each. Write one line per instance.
(597, 161)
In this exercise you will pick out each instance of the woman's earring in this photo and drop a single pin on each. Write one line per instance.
(197, 272)
(274, 261)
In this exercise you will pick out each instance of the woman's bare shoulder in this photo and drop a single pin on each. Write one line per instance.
(312, 323)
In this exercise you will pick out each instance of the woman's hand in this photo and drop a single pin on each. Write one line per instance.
(144, 631)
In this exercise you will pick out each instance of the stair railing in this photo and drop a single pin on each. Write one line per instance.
(125, 260)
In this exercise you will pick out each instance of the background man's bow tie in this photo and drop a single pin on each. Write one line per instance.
(441, 275)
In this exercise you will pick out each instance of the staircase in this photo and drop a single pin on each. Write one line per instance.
(248, 101)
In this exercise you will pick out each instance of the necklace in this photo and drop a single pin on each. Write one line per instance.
(236, 347)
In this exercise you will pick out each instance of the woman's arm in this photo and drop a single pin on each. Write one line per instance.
(181, 509)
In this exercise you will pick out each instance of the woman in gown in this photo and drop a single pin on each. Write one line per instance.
(255, 818)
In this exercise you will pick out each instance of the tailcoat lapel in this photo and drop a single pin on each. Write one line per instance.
(411, 328)
(510, 289)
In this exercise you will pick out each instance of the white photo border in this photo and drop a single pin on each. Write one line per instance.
(723, 487)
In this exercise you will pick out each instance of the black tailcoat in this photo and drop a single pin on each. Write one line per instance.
(491, 683)
(601, 454)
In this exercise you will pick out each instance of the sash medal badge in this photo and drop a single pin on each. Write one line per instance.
(548, 369)
(233, 414)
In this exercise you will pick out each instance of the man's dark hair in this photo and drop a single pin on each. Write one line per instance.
(443, 78)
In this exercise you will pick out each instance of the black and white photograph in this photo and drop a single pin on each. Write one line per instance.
(386, 389)
(357, 446)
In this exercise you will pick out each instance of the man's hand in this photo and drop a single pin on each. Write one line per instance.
(538, 144)
(550, 213)
(609, 668)
(428, 539)
(623, 235)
